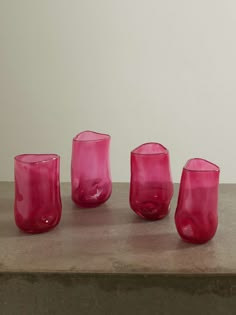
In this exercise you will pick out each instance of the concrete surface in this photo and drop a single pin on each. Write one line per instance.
(108, 261)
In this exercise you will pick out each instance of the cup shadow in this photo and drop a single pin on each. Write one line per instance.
(105, 216)
(8, 229)
(168, 241)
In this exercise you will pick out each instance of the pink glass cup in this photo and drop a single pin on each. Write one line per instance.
(37, 192)
(90, 169)
(196, 216)
(151, 186)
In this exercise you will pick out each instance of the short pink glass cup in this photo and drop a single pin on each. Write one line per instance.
(151, 186)
(196, 216)
(37, 192)
(90, 169)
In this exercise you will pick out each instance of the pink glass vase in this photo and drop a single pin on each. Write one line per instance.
(37, 192)
(196, 215)
(151, 186)
(90, 169)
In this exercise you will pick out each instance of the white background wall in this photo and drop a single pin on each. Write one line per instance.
(147, 70)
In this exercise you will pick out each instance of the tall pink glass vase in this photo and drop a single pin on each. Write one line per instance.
(90, 169)
(37, 205)
(151, 186)
(196, 216)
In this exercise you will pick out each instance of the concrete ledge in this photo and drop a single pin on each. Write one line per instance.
(109, 261)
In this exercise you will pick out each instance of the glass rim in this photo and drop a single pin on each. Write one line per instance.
(51, 157)
(216, 170)
(165, 152)
(105, 136)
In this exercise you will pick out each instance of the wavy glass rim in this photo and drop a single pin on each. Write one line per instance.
(104, 136)
(165, 150)
(215, 168)
(46, 157)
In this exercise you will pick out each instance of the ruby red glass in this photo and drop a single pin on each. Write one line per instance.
(90, 169)
(196, 216)
(37, 192)
(151, 186)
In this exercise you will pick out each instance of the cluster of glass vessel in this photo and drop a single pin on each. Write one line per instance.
(38, 204)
